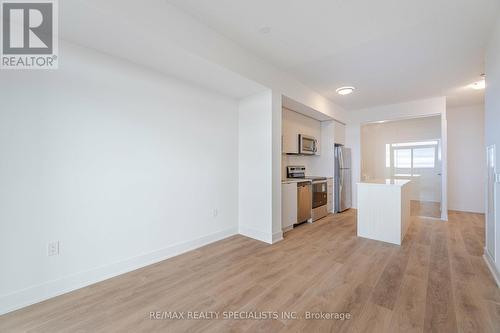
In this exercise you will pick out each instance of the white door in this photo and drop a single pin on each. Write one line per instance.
(490, 201)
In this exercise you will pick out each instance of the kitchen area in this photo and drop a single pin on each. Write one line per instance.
(316, 174)
(317, 181)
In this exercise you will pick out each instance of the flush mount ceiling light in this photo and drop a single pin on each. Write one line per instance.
(478, 85)
(344, 90)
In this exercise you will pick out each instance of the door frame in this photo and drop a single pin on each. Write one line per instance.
(444, 166)
(444, 152)
(492, 255)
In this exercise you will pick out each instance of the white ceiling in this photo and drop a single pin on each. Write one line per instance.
(147, 36)
(390, 50)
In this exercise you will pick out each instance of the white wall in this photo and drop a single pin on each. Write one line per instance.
(466, 158)
(419, 108)
(255, 166)
(353, 141)
(492, 119)
(294, 124)
(277, 105)
(121, 165)
(374, 138)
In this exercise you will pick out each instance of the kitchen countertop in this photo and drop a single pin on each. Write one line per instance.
(294, 180)
(298, 180)
(388, 181)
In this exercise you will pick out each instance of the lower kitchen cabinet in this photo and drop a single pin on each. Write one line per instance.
(329, 204)
(288, 205)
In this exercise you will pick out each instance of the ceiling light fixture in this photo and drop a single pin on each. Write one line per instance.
(345, 90)
(479, 85)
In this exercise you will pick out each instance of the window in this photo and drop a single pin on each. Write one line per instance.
(405, 157)
(424, 157)
(388, 155)
(402, 158)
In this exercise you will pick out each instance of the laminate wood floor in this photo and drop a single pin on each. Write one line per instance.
(436, 281)
(425, 209)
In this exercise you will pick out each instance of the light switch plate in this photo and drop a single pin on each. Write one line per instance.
(497, 176)
(53, 248)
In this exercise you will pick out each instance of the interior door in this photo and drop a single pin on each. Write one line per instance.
(490, 201)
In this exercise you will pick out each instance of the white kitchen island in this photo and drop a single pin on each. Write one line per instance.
(384, 209)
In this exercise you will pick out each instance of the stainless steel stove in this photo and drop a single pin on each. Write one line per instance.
(319, 190)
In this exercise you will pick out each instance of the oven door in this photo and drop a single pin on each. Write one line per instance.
(307, 145)
(320, 194)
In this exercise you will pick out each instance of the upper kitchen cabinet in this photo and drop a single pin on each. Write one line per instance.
(294, 124)
(339, 133)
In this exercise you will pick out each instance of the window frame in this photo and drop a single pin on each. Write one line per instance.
(410, 172)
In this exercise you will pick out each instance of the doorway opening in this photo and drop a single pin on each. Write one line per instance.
(407, 149)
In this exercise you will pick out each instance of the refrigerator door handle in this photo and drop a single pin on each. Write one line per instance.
(341, 181)
(341, 159)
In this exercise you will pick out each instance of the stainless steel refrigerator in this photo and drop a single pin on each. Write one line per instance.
(343, 179)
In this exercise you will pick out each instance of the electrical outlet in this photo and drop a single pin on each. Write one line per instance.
(497, 176)
(53, 249)
(215, 212)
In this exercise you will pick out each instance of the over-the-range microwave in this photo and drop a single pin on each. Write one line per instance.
(308, 145)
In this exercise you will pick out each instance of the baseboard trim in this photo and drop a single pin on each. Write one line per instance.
(455, 210)
(491, 266)
(38, 293)
(429, 218)
(256, 234)
(277, 236)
